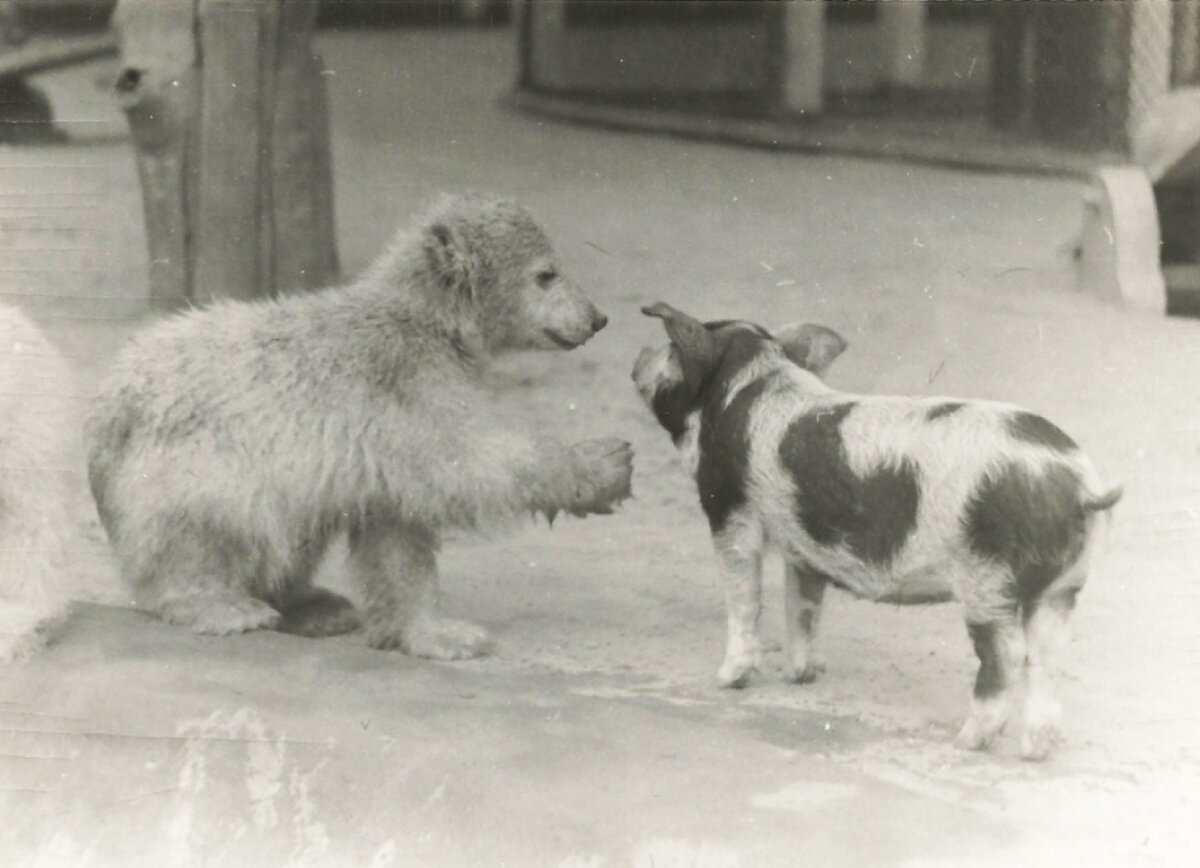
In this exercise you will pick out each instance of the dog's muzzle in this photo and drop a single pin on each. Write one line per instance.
(652, 370)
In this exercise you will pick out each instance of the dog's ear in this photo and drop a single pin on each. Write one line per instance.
(448, 257)
(698, 349)
(811, 346)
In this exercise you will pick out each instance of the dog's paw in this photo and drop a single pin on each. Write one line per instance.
(987, 720)
(972, 736)
(1040, 732)
(607, 471)
(736, 672)
(1038, 742)
(804, 673)
(435, 639)
(977, 734)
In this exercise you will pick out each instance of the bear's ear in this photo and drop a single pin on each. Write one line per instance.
(698, 348)
(447, 258)
(811, 346)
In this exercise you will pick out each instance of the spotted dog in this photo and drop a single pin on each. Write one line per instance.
(894, 499)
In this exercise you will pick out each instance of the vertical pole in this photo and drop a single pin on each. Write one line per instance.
(1115, 72)
(523, 23)
(1013, 71)
(546, 21)
(233, 100)
(803, 61)
(902, 40)
(301, 170)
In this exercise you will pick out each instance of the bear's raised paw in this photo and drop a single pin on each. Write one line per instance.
(607, 469)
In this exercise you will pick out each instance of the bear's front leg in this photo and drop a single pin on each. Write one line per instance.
(395, 566)
(587, 478)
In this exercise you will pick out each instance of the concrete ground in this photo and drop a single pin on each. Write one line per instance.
(594, 735)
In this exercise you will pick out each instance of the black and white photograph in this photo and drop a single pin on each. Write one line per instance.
(599, 433)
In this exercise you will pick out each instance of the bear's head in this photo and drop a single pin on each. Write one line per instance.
(489, 262)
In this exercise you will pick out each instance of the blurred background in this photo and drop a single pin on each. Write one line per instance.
(1059, 88)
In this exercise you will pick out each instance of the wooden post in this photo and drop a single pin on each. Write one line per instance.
(544, 61)
(226, 102)
(902, 41)
(1013, 66)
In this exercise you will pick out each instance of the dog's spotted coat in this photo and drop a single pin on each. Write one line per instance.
(895, 499)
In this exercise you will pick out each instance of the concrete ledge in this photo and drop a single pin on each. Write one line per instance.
(936, 141)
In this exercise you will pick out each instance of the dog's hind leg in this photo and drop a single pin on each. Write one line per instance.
(999, 645)
(803, 591)
(396, 566)
(1046, 632)
(739, 553)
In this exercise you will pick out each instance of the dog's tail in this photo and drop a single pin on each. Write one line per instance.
(1101, 502)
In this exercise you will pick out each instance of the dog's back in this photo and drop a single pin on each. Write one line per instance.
(881, 492)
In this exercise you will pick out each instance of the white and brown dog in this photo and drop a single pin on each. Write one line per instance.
(895, 499)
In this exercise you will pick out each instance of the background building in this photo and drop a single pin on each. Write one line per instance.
(1079, 75)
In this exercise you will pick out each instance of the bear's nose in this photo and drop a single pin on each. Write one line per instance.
(599, 321)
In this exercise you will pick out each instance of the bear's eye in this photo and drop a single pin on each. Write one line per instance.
(545, 277)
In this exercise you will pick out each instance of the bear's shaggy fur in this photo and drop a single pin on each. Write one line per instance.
(37, 458)
(230, 445)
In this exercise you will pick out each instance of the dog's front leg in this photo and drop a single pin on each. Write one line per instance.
(739, 553)
(803, 590)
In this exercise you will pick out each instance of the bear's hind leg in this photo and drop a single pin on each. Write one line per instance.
(215, 613)
(396, 567)
(319, 612)
(309, 610)
(201, 580)
(25, 627)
